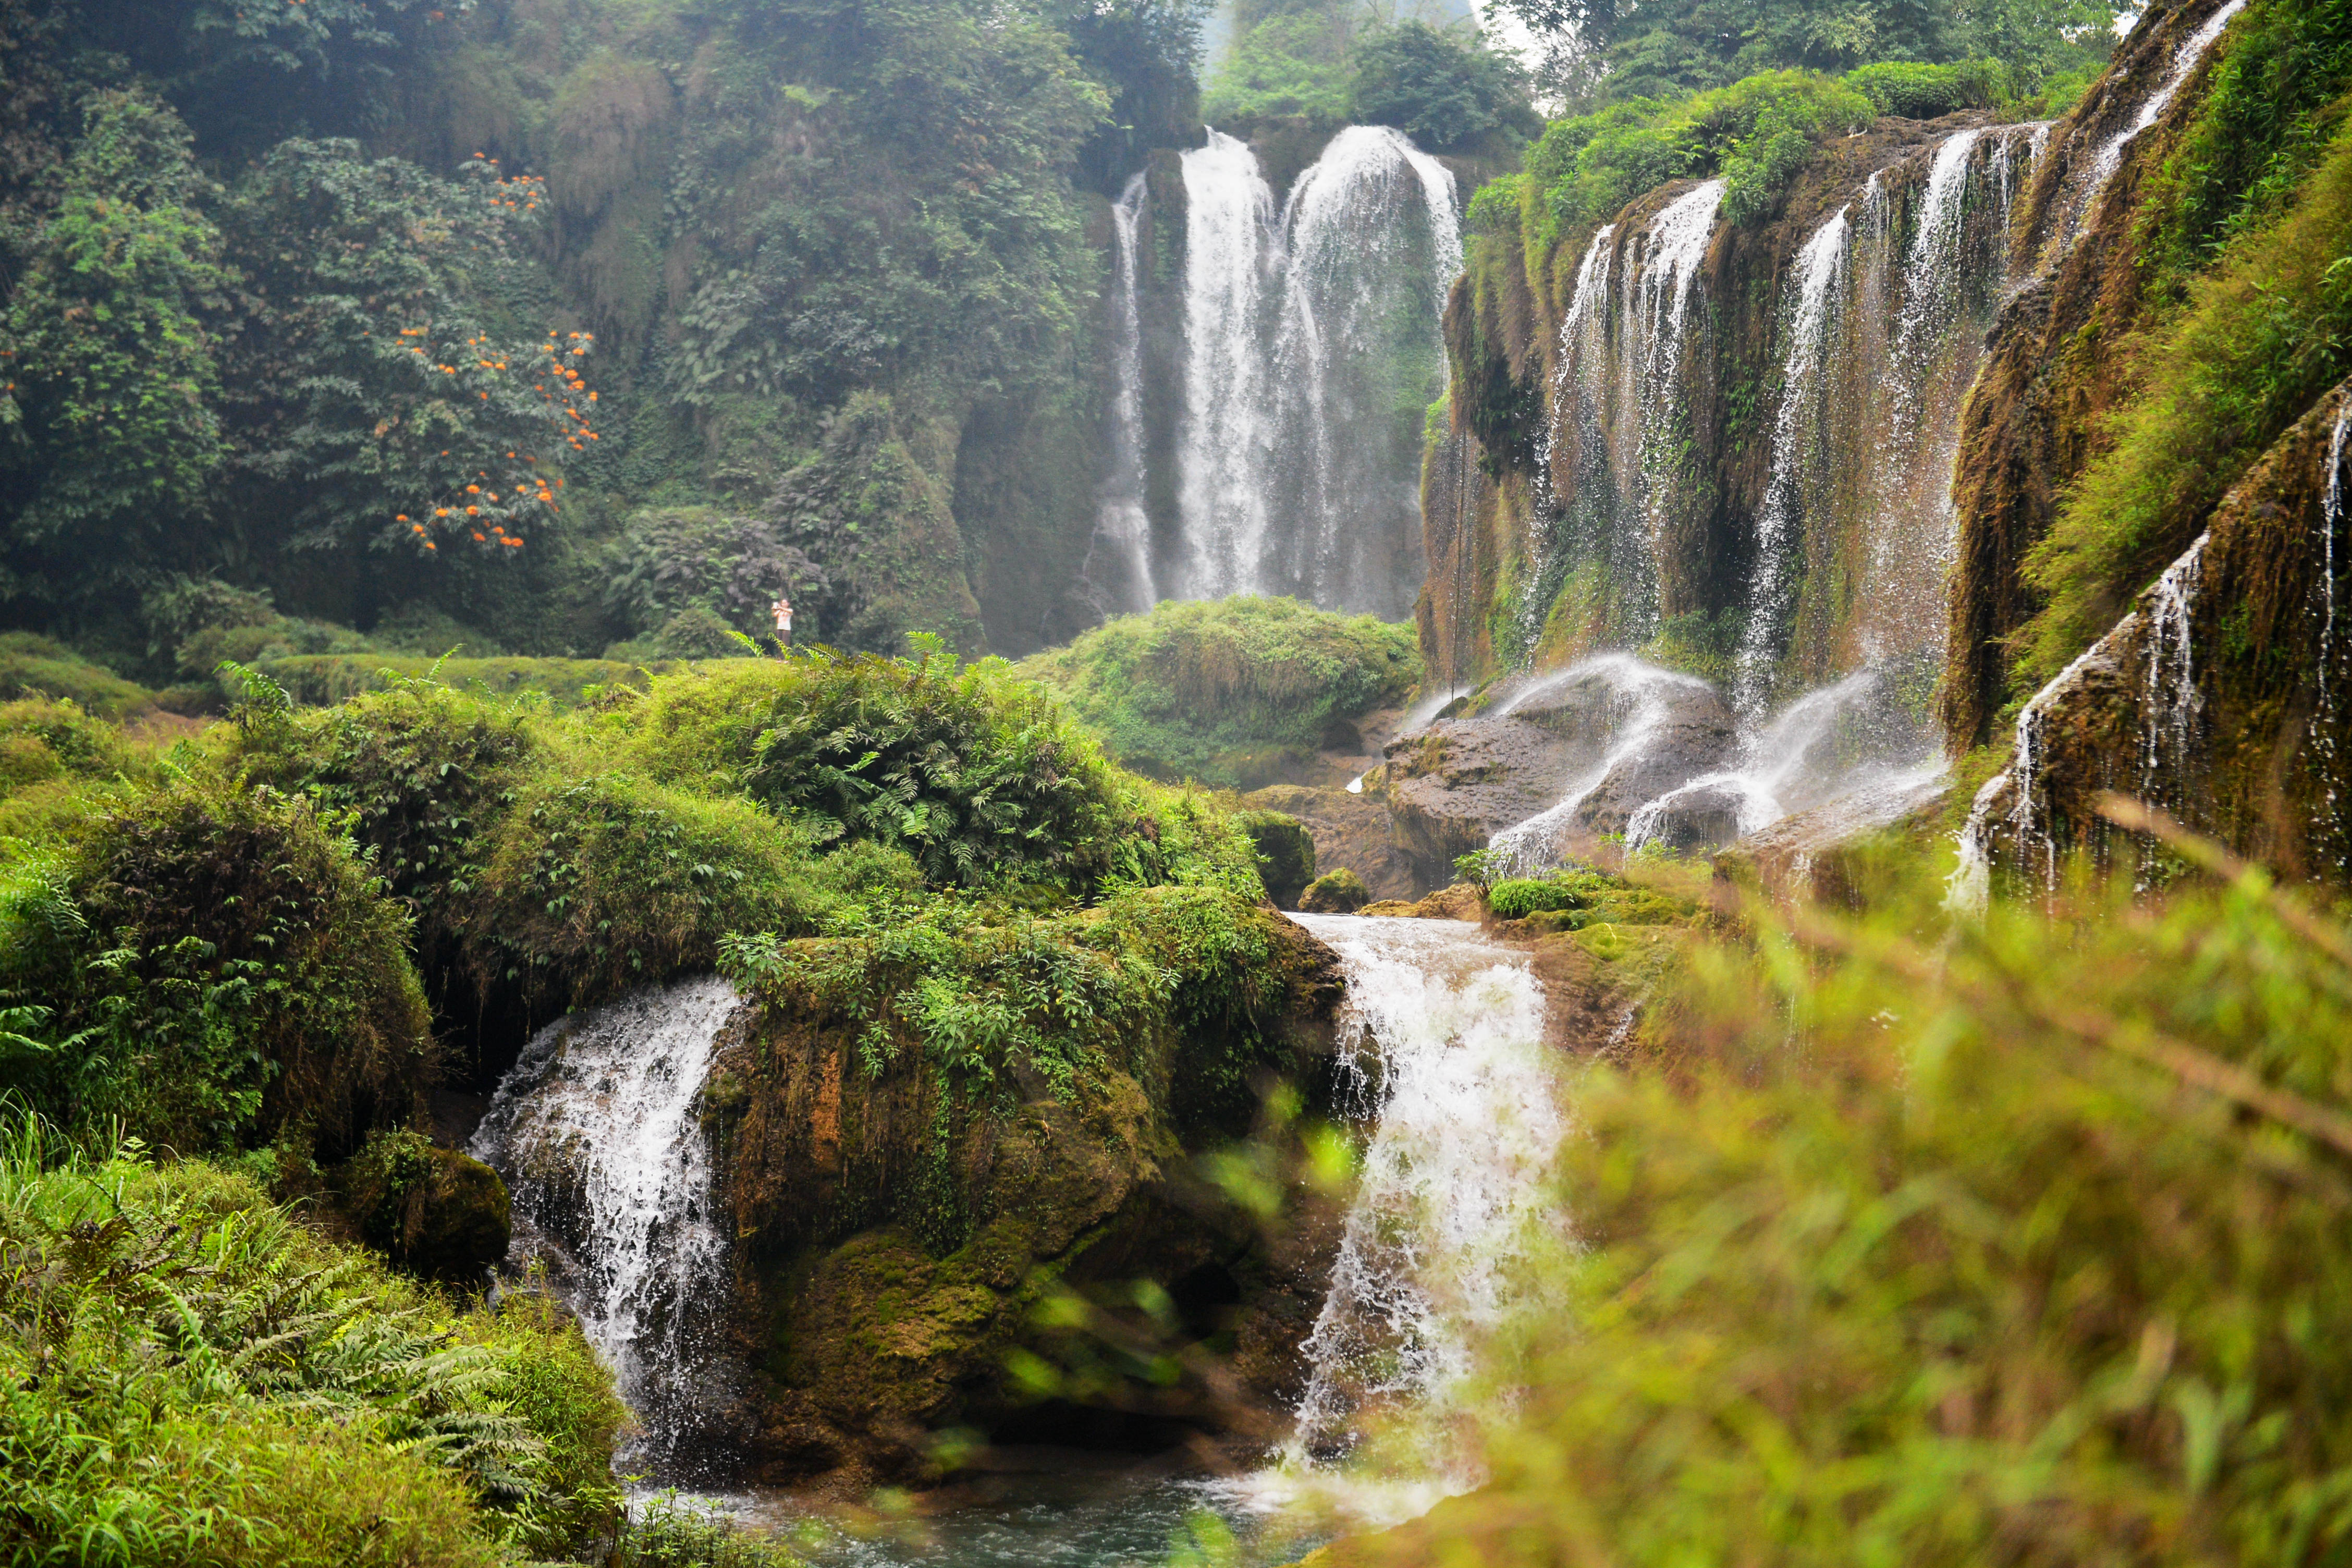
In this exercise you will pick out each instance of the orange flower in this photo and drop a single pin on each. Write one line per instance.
(402, 518)
(430, 546)
(442, 512)
(473, 489)
(473, 512)
(481, 537)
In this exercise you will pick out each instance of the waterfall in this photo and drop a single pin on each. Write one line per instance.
(1312, 351)
(2185, 59)
(1118, 558)
(2170, 705)
(1443, 1035)
(1579, 387)
(1642, 707)
(1370, 239)
(2331, 517)
(595, 1135)
(1795, 427)
(1225, 442)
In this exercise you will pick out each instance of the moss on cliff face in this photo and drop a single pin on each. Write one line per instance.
(935, 1126)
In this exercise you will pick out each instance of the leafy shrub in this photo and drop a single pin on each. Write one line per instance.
(1445, 92)
(672, 1533)
(33, 665)
(323, 680)
(1194, 687)
(1757, 133)
(1920, 91)
(1285, 854)
(1520, 896)
(1287, 65)
(678, 560)
(40, 738)
(975, 774)
(595, 882)
(209, 964)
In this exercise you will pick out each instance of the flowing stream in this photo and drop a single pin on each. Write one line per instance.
(595, 1135)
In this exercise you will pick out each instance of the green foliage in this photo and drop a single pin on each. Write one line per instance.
(1202, 689)
(191, 1378)
(1519, 897)
(978, 775)
(385, 392)
(33, 665)
(1446, 92)
(1660, 49)
(681, 561)
(2020, 1241)
(673, 1533)
(1295, 64)
(1918, 91)
(2263, 334)
(598, 882)
(110, 374)
(209, 964)
(1755, 132)
(1285, 854)
(321, 679)
(2273, 105)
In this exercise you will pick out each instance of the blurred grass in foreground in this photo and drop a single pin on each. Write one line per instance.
(1909, 1242)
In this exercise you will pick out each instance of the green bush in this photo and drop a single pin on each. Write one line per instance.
(977, 775)
(1287, 65)
(1520, 896)
(33, 665)
(1339, 891)
(1756, 133)
(1920, 91)
(1200, 689)
(595, 882)
(1446, 92)
(672, 1533)
(210, 964)
(324, 679)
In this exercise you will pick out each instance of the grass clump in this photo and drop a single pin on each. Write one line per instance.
(189, 1377)
(33, 665)
(1218, 690)
(1519, 897)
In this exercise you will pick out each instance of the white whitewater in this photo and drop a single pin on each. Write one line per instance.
(1640, 709)
(1838, 741)
(2331, 518)
(595, 1135)
(1369, 227)
(1227, 437)
(2172, 709)
(2185, 60)
(1443, 1034)
(1118, 557)
(1311, 344)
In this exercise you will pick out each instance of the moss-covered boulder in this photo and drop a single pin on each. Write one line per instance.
(937, 1128)
(1336, 892)
(435, 1212)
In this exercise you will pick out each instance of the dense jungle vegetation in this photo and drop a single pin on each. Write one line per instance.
(570, 333)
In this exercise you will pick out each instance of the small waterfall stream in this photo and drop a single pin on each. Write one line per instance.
(1118, 557)
(1444, 1035)
(595, 1132)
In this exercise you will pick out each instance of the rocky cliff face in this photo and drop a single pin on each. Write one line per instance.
(894, 1242)
(2043, 419)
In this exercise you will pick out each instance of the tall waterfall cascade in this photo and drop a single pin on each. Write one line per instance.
(1310, 353)
(1462, 1100)
(1118, 557)
(595, 1133)
(1878, 333)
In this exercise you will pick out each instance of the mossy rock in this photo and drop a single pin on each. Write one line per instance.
(435, 1212)
(1285, 854)
(1336, 892)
